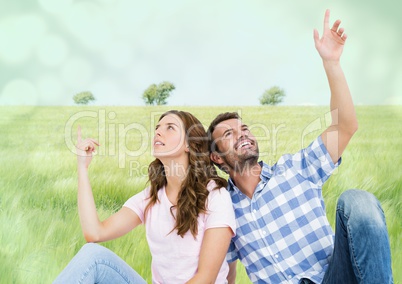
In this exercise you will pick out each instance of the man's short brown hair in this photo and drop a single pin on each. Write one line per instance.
(221, 117)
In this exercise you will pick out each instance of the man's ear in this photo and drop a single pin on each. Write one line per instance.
(216, 158)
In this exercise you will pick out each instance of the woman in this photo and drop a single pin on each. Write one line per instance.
(186, 211)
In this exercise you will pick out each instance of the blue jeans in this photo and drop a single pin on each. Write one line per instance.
(362, 251)
(97, 264)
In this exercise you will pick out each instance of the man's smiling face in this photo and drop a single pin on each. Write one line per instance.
(235, 144)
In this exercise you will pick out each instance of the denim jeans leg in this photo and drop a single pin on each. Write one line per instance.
(362, 251)
(97, 264)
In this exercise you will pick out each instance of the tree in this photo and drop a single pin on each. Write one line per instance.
(149, 95)
(158, 94)
(273, 96)
(83, 98)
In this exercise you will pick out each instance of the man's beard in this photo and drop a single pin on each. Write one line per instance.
(241, 163)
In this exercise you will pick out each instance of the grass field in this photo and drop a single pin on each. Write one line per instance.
(39, 226)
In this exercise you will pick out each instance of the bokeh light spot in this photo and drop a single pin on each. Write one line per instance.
(19, 92)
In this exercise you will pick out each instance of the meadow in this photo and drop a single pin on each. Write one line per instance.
(39, 225)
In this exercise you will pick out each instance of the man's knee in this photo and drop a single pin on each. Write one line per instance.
(358, 197)
(362, 207)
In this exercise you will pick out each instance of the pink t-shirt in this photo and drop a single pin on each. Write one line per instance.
(175, 259)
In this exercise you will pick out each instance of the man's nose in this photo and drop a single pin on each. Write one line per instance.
(244, 133)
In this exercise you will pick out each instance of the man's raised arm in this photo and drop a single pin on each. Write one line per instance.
(344, 123)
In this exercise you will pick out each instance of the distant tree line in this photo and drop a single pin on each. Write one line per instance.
(153, 95)
(158, 95)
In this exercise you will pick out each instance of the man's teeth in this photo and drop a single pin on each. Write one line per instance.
(159, 143)
(244, 144)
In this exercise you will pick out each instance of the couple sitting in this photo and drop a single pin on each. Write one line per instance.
(198, 224)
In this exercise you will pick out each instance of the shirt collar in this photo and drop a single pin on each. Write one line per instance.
(266, 174)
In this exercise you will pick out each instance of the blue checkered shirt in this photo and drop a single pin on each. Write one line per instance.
(283, 233)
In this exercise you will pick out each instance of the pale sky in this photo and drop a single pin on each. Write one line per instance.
(216, 52)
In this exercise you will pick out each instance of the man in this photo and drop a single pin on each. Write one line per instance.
(283, 234)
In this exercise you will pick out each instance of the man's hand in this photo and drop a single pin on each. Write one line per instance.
(330, 45)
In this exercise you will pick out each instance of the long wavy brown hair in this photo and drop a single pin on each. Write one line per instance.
(193, 194)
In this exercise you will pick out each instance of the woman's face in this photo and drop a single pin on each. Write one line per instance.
(170, 138)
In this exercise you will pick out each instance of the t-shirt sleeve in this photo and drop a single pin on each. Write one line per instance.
(220, 211)
(314, 162)
(138, 202)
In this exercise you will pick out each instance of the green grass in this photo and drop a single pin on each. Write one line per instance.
(39, 226)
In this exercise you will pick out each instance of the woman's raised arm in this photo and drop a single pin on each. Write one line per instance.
(93, 229)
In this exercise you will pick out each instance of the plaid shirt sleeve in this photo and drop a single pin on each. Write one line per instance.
(232, 253)
(314, 162)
